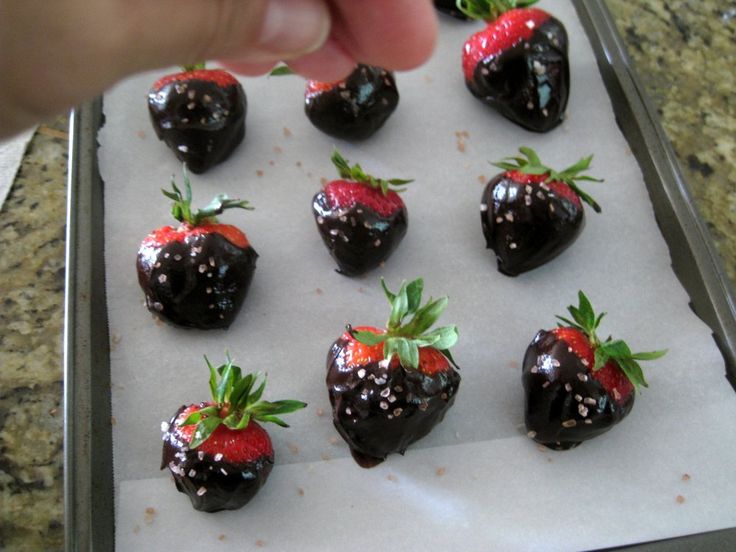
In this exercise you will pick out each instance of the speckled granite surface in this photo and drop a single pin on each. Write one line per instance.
(681, 49)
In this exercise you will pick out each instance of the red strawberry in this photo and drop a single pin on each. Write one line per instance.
(197, 274)
(360, 218)
(518, 64)
(353, 108)
(216, 451)
(576, 385)
(200, 114)
(531, 213)
(389, 388)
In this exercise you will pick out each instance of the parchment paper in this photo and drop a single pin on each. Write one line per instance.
(477, 482)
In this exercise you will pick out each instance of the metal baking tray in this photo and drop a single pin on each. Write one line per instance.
(88, 476)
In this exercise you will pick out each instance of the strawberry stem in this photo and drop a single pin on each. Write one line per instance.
(181, 210)
(357, 174)
(188, 68)
(489, 10)
(404, 340)
(531, 164)
(236, 403)
(585, 320)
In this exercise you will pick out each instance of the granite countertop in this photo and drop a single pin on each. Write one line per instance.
(679, 48)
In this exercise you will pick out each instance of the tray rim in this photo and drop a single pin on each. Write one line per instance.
(88, 478)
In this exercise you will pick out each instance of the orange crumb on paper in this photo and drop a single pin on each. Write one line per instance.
(287, 132)
(148, 516)
(482, 178)
(326, 457)
(293, 449)
(221, 537)
(277, 149)
(334, 440)
(391, 477)
(680, 499)
(513, 364)
(137, 529)
(260, 543)
(440, 472)
(300, 491)
(320, 412)
(319, 291)
(113, 420)
(259, 173)
(685, 477)
(141, 134)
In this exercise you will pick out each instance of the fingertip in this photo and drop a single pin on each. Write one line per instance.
(328, 64)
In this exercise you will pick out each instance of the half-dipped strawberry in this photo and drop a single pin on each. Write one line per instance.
(577, 386)
(531, 213)
(390, 387)
(200, 115)
(198, 273)
(353, 108)
(361, 219)
(518, 64)
(217, 452)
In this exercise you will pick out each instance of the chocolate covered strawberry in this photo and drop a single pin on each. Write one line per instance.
(390, 387)
(353, 108)
(518, 64)
(198, 273)
(361, 219)
(576, 385)
(200, 114)
(217, 452)
(531, 213)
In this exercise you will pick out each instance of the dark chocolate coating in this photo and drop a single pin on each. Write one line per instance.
(357, 107)
(201, 132)
(212, 485)
(564, 404)
(359, 239)
(199, 283)
(386, 409)
(528, 83)
(527, 225)
(450, 8)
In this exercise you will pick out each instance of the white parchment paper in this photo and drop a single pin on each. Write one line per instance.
(477, 482)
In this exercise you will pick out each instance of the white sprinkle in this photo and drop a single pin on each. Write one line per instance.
(192, 94)
(201, 491)
(206, 98)
(211, 306)
(539, 69)
(182, 148)
(509, 216)
(223, 471)
(209, 275)
(162, 278)
(583, 410)
(334, 232)
(345, 94)
(218, 457)
(361, 373)
(588, 421)
(380, 381)
(590, 400)
(512, 245)
(569, 423)
(528, 200)
(208, 290)
(397, 411)
(200, 455)
(568, 387)
(192, 472)
(177, 257)
(377, 243)
(392, 398)
(531, 434)
(348, 411)
(545, 384)
(164, 426)
(528, 189)
(551, 208)
(212, 261)
(616, 394)
(386, 392)
(158, 306)
(545, 112)
(530, 24)
(485, 72)
(483, 207)
(191, 105)
(535, 369)
(529, 105)
(202, 268)
(398, 388)
(343, 218)
(383, 405)
(499, 220)
(540, 194)
(582, 377)
(320, 220)
(157, 265)
(578, 397)
(544, 186)
(584, 362)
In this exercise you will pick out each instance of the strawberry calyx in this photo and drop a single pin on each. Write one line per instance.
(235, 402)
(488, 10)
(585, 320)
(405, 339)
(531, 164)
(181, 210)
(357, 174)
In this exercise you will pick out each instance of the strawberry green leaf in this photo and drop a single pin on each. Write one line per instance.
(651, 355)
(633, 371)
(357, 174)
(413, 294)
(399, 308)
(204, 429)
(280, 71)
(196, 416)
(447, 337)
(256, 395)
(489, 10)
(368, 338)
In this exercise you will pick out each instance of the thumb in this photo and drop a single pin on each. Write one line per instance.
(167, 32)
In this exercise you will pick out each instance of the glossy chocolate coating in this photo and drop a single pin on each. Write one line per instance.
(382, 409)
(527, 225)
(357, 107)
(210, 484)
(564, 404)
(358, 238)
(528, 83)
(200, 282)
(201, 132)
(450, 8)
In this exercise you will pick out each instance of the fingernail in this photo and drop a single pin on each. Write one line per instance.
(293, 28)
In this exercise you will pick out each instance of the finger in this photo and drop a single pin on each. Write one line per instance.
(394, 34)
(330, 63)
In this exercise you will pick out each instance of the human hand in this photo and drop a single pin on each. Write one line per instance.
(54, 55)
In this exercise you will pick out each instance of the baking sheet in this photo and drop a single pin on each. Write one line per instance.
(488, 492)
